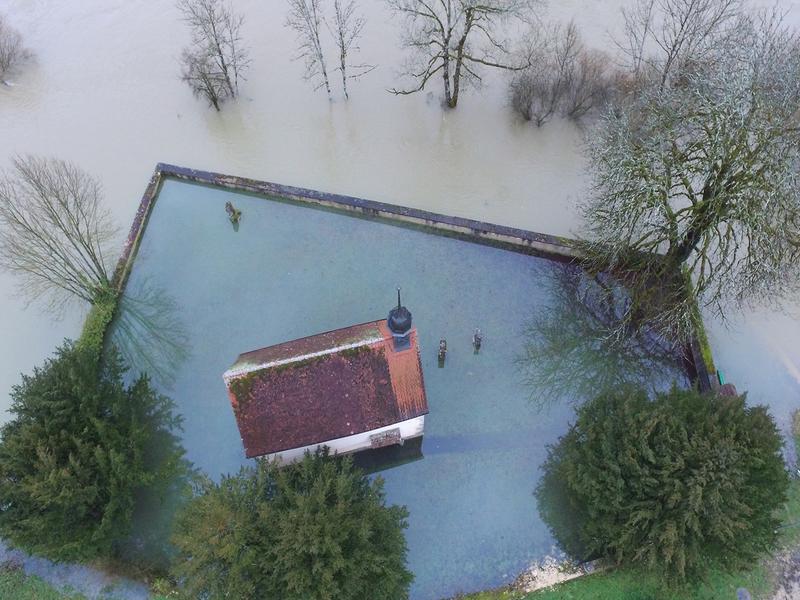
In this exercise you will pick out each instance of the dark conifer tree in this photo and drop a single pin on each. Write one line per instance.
(80, 446)
(674, 484)
(317, 529)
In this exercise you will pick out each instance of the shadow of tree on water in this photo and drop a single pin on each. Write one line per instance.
(576, 346)
(147, 550)
(149, 333)
(152, 339)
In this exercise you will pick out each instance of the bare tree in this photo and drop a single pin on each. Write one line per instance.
(536, 91)
(12, 53)
(55, 233)
(564, 77)
(200, 72)
(704, 179)
(661, 36)
(305, 18)
(591, 84)
(215, 61)
(456, 38)
(346, 29)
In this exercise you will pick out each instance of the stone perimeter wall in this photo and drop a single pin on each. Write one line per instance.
(551, 247)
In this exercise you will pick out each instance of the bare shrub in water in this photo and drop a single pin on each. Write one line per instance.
(55, 234)
(215, 61)
(564, 77)
(12, 53)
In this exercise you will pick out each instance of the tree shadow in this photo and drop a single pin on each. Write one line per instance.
(149, 333)
(146, 551)
(579, 344)
(558, 509)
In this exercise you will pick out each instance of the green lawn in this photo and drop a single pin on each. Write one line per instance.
(15, 585)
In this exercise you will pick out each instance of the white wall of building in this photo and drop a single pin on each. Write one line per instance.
(408, 429)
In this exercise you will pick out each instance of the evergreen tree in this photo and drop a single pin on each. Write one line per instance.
(673, 483)
(316, 529)
(79, 447)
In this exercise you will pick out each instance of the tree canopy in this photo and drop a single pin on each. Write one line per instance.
(316, 529)
(80, 445)
(705, 172)
(674, 484)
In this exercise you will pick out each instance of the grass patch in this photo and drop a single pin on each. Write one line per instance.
(97, 322)
(15, 585)
(633, 584)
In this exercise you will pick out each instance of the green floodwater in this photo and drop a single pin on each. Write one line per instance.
(200, 293)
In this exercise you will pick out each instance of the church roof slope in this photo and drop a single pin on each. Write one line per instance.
(324, 387)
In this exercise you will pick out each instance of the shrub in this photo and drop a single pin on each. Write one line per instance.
(97, 323)
(673, 484)
(564, 77)
(79, 447)
(316, 529)
(12, 53)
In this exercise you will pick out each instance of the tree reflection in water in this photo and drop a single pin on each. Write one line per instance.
(579, 345)
(149, 333)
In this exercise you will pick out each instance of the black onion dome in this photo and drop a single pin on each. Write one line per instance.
(399, 320)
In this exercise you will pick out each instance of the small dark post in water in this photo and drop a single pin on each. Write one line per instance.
(477, 340)
(234, 214)
(442, 351)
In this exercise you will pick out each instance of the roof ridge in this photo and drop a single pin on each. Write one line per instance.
(234, 373)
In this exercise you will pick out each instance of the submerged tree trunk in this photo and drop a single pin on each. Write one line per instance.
(446, 75)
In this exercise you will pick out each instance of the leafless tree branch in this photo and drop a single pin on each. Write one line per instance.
(55, 233)
(454, 38)
(707, 174)
(215, 61)
(305, 18)
(346, 30)
(661, 37)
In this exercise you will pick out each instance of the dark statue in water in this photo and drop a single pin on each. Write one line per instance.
(477, 340)
(442, 351)
(234, 214)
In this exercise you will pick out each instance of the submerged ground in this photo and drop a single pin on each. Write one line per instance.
(200, 293)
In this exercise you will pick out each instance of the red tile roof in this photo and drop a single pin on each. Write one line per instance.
(324, 387)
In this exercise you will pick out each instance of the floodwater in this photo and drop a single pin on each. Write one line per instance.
(290, 271)
(105, 93)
